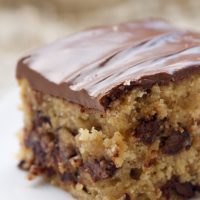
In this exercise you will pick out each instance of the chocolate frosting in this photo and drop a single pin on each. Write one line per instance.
(96, 66)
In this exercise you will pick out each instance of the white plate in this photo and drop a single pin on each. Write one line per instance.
(13, 182)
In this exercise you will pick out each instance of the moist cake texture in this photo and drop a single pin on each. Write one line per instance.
(113, 112)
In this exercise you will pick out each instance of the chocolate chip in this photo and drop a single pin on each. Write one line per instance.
(105, 101)
(69, 177)
(126, 197)
(135, 173)
(74, 132)
(185, 189)
(21, 163)
(197, 188)
(168, 188)
(148, 130)
(33, 141)
(24, 165)
(100, 169)
(98, 128)
(85, 189)
(39, 119)
(175, 187)
(50, 172)
(175, 142)
(71, 151)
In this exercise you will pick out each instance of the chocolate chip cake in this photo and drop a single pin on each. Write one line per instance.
(113, 112)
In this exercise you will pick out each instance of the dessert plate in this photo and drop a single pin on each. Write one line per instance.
(13, 182)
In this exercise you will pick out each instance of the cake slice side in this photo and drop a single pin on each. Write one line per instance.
(146, 145)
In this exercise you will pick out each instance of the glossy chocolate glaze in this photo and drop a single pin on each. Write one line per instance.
(95, 67)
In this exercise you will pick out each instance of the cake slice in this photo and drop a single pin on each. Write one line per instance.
(113, 112)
